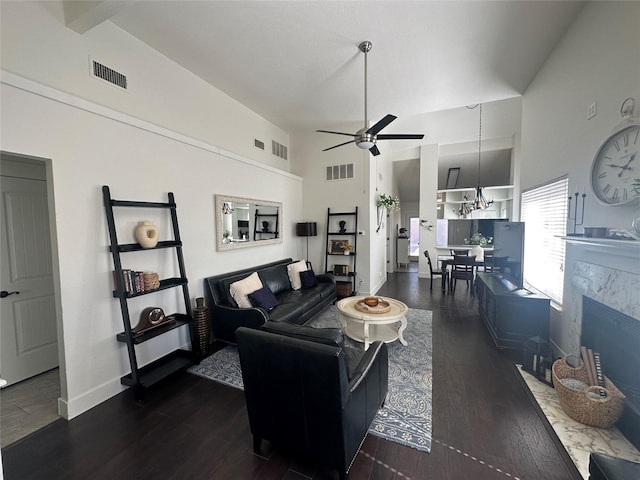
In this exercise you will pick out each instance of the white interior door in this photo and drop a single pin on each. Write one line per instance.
(28, 336)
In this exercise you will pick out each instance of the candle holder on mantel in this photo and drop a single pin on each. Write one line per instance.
(575, 214)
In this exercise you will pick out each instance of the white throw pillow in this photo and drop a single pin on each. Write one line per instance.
(294, 269)
(242, 288)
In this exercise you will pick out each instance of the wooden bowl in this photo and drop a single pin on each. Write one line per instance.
(371, 301)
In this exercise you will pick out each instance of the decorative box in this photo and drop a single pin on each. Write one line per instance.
(341, 269)
(344, 289)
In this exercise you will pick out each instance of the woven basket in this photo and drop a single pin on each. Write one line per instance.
(597, 412)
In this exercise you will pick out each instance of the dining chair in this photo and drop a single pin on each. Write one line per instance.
(459, 252)
(463, 269)
(436, 272)
(488, 261)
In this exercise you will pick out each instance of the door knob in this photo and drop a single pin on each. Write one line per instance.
(4, 293)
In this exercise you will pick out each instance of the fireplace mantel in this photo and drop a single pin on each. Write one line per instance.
(629, 248)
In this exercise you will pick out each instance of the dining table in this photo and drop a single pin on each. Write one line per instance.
(446, 262)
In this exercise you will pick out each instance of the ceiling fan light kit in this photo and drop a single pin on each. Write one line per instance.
(366, 137)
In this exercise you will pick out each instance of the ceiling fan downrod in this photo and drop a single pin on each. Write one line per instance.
(365, 47)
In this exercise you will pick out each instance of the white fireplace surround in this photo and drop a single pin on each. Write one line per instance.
(607, 271)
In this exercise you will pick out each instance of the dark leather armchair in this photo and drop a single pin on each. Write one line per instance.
(311, 397)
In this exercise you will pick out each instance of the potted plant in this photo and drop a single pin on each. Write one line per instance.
(478, 239)
(346, 247)
(386, 201)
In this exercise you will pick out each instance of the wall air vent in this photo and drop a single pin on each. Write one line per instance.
(339, 172)
(109, 75)
(278, 150)
(258, 144)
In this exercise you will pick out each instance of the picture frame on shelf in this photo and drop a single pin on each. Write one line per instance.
(336, 246)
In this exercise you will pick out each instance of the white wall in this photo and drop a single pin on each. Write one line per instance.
(382, 248)
(597, 61)
(91, 135)
(343, 195)
(37, 45)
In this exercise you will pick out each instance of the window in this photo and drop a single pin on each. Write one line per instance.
(544, 211)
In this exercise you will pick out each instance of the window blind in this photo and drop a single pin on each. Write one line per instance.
(544, 211)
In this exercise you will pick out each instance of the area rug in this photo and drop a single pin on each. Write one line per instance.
(406, 416)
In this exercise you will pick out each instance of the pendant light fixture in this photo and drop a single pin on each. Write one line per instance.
(479, 200)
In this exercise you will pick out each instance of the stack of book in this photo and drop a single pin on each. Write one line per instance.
(139, 282)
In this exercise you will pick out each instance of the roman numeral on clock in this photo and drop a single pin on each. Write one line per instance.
(606, 188)
(602, 175)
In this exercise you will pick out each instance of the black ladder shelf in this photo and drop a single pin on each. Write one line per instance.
(350, 236)
(258, 231)
(143, 377)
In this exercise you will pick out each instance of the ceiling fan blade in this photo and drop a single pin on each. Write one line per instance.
(339, 145)
(337, 133)
(381, 124)
(400, 136)
(374, 150)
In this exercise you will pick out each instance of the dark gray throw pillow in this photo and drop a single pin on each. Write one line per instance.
(308, 279)
(263, 298)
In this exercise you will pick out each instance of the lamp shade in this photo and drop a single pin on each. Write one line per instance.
(306, 229)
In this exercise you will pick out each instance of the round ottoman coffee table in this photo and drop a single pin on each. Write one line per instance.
(366, 325)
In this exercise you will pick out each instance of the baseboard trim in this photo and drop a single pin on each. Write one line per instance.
(70, 408)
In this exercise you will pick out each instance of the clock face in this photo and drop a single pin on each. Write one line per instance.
(155, 316)
(616, 166)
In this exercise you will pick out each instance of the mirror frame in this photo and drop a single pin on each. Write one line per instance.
(222, 199)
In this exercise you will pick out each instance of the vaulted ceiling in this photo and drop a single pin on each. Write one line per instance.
(296, 63)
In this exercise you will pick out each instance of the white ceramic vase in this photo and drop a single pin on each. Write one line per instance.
(478, 251)
(146, 234)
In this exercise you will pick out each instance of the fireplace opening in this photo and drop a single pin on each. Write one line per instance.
(616, 336)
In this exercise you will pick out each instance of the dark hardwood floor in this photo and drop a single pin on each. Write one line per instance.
(485, 425)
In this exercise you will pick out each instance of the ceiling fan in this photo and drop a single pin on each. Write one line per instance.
(366, 138)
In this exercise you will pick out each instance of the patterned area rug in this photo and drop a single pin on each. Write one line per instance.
(406, 416)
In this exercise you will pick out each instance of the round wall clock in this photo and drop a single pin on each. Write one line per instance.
(616, 166)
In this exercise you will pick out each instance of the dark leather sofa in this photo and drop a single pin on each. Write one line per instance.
(307, 394)
(606, 467)
(295, 306)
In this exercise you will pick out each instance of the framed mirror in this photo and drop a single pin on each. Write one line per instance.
(247, 222)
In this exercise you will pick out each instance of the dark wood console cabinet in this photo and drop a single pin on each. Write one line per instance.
(511, 315)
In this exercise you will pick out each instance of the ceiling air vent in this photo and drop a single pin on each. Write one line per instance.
(107, 74)
(278, 150)
(340, 172)
(258, 144)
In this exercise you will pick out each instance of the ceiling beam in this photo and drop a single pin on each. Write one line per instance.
(83, 15)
